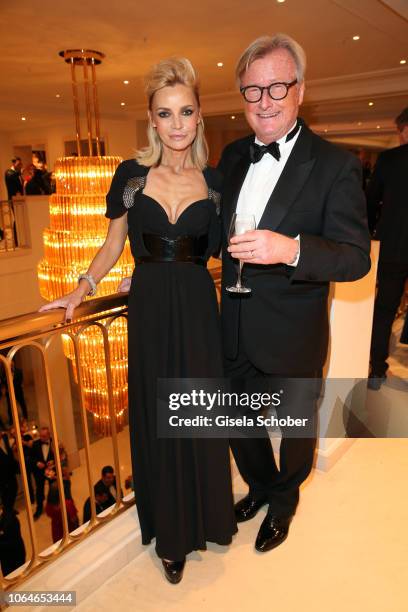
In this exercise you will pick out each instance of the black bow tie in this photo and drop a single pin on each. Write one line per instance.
(46, 443)
(256, 151)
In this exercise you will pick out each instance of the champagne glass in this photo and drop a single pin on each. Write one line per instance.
(239, 225)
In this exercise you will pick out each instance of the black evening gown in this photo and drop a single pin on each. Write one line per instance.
(183, 487)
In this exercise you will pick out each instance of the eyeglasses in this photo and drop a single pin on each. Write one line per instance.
(276, 91)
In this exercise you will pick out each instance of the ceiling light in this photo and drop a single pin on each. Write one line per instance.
(23, 118)
(378, 127)
(220, 64)
(57, 95)
(325, 129)
(126, 82)
(359, 123)
(403, 61)
(280, 1)
(122, 103)
(356, 37)
(232, 116)
(371, 104)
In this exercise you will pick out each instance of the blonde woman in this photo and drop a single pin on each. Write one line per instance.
(167, 202)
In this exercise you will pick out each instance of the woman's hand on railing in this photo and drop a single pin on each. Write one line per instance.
(69, 302)
(124, 285)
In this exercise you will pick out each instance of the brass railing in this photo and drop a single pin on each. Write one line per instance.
(13, 224)
(38, 331)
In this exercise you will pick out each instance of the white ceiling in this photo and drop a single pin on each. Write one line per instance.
(134, 35)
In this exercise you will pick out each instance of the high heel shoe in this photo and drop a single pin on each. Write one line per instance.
(173, 570)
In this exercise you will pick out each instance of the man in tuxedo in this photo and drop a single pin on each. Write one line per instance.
(9, 468)
(41, 453)
(13, 178)
(310, 211)
(108, 484)
(101, 501)
(387, 204)
(18, 391)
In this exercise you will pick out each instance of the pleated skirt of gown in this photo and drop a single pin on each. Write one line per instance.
(183, 487)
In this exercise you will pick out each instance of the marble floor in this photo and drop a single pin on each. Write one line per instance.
(347, 548)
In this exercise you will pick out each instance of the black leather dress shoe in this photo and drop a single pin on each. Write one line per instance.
(375, 381)
(173, 570)
(37, 515)
(273, 531)
(247, 508)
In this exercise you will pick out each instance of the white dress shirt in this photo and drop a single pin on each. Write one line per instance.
(45, 449)
(261, 180)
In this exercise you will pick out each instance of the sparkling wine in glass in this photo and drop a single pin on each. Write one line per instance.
(239, 225)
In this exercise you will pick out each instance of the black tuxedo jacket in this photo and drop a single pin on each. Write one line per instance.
(283, 323)
(8, 465)
(13, 183)
(111, 499)
(387, 202)
(36, 454)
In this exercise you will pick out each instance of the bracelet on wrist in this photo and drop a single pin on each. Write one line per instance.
(91, 281)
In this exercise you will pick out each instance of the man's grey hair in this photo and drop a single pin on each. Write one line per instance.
(267, 44)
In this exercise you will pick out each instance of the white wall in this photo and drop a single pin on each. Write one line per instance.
(6, 153)
(18, 269)
(120, 138)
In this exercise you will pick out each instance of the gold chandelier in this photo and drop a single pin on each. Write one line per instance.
(77, 230)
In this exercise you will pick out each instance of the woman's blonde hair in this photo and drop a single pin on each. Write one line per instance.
(168, 73)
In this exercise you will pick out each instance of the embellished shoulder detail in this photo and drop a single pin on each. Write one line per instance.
(132, 186)
(215, 196)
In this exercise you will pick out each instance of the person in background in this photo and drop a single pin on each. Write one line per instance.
(101, 501)
(404, 333)
(53, 507)
(366, 173)
(9, 468)
(46, 176)
(18, 391)
(63, 455)
(12, 549)
(108, 482)
(387, 197)
(36, 182)
(13, 178)
(129, 482)
(28, 174)
(28, 441)
(43, 456)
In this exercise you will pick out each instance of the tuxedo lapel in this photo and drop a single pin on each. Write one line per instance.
(290, 183)
(231, 195)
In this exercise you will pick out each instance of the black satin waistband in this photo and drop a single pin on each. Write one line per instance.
(190, 249)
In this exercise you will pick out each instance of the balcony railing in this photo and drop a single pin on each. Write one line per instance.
(13, 225)
(41, 334)
(38, 331)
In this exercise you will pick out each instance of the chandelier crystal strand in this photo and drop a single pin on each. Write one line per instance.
(77, 230)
